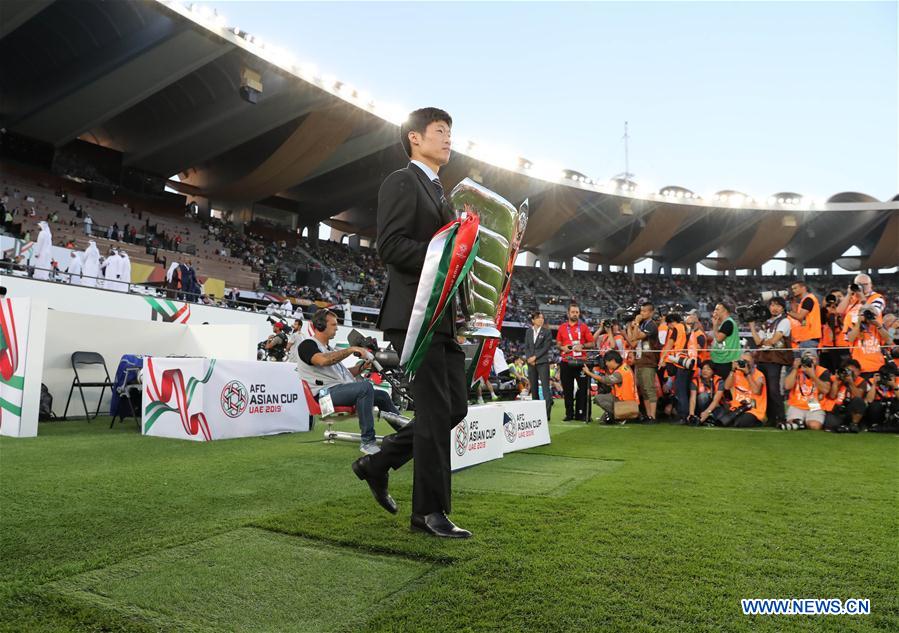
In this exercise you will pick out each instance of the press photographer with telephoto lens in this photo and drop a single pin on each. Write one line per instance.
(882, 414)
(642, 335)
(706, 394)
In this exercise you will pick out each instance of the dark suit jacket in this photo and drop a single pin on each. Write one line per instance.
(409, 214)
(539, 348)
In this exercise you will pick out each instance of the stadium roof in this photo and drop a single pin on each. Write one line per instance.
(160, 83)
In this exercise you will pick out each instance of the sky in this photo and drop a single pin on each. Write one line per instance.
(759, 97)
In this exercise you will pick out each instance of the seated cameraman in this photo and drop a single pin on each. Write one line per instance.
(808, 384)
(748, 400)
(866, 336)
(883, 401)
(845, 405)
(706, 393)
(322, 368)
(621, 379)
(775, 355)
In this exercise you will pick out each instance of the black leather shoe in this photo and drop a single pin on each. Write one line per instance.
(437, 524)
(567, 418)
(376, 483)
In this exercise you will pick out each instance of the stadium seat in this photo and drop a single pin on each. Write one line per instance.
(81, 359)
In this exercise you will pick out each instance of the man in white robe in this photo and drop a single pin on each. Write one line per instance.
(111, 273)
(125, 271)
(74, 268)
(43, 252)
(91, 268)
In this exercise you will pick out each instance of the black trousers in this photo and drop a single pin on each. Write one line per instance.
(541, 371)
(775, 409)
(576, 409)
(441, 402)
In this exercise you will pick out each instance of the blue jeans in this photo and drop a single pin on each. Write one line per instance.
(364, 397)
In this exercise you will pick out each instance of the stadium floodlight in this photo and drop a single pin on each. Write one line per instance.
(235, 30)
(781, 200)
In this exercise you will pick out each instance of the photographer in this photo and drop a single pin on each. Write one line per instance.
(806, 310)
(834, 345)
(321, 367)
(725, 339)
(775, 355)
(674, 358)
(706, 393)
(859, 294)
(866, 336)
(883, 405)
(642, 335)
(808, 384)
(276, 344)
(572, 339)
(748, 401)
(698, 342)
(845, 406)
(622, 403)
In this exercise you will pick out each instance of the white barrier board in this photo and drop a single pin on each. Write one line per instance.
(207, 399)
(524, 424)
(478, 438)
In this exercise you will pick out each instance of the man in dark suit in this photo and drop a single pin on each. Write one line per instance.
(538, 342)
(411, 209)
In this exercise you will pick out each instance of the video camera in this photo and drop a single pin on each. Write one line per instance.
(381, 359)
(628, 314)
(754, 312)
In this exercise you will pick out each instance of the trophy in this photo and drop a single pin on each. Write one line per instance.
(501, 227)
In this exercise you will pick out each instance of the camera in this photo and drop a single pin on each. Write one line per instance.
(844, 374)
(383, 359)
(767, 295)
(628, 314)
(277, 320)
(830, 299)
(886, 373)
(868, 314)
(742, 364)
(757, 311)
(807, 361)
(854, 287)
(605, 324)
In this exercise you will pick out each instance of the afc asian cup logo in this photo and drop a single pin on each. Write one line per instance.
(460, 438)
(234, 399)
(510, 428)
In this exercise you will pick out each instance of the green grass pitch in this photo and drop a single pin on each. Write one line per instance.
(633, 528)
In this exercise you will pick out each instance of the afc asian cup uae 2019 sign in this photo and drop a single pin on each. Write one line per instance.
(207, 399)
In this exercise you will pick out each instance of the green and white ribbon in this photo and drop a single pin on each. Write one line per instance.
(450, 255)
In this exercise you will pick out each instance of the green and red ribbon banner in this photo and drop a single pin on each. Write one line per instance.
(9, 356)
(450, 255)
(173, 386)
(169, 310)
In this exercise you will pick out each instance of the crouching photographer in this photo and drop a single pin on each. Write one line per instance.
(622, 403)
(808, 384)
(748, 400)
(845, 405)
(706, 393)
(882, 398)
(322, 368)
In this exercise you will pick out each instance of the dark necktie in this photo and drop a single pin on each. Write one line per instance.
(440, 195)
